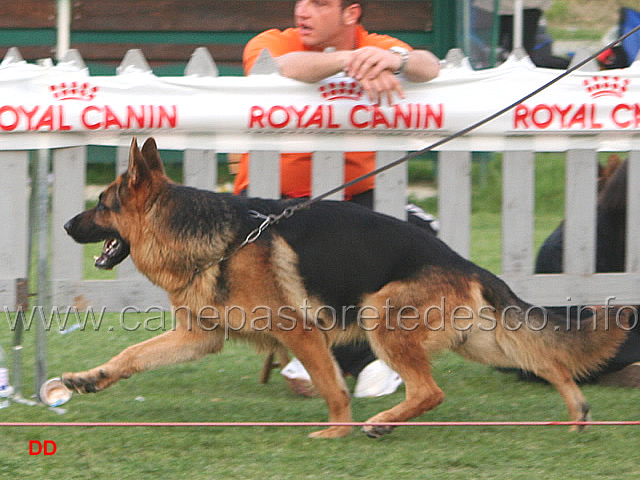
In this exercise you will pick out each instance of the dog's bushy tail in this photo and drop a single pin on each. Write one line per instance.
(537, 337)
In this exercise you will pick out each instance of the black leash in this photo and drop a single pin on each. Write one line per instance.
(269, 220)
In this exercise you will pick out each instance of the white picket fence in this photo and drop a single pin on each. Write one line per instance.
(130, 289)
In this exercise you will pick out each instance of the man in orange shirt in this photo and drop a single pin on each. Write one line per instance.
(327, 39)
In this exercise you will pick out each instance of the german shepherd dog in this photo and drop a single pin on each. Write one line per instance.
(331, 273)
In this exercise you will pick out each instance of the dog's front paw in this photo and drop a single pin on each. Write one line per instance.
(87, 382)
(376, 431)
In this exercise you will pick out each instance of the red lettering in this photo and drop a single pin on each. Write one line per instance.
(404, 116)
(330, 123)
(614, 115)
(50, 443)
(563, 114)
(48, 447)
(110, 119)
(85, 120)
(541, 123)
(571, 116)
(33, 443)
(579, 118)
(61, 125)
(379, 118)
(634, 115)
(299, 114)
(256, 116)
(520, 115)
(8, 126)
(592, 119)
(137, 116)
(273, 112)
(352, 116)
(29, 114)
(46, 120)
(316, 118)
(170, 117)
(437, 117)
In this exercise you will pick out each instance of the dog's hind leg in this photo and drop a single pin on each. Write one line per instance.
(174, 346)
(421, 392)
(562, 379)
(404, 351)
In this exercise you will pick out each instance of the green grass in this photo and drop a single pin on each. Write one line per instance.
(558, 33)
(225, 388)
(583, 19)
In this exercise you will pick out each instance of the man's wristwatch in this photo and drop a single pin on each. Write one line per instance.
(404, 56)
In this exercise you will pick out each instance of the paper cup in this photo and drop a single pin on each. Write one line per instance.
(54, 393)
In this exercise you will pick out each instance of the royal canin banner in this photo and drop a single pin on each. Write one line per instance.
(48, 107)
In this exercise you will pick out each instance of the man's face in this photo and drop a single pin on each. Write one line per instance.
(321, 23)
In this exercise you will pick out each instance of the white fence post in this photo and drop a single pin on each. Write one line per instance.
(264, 174)
(518, 197)
(327, 172)
(391, 186)
(633, 213)
(200, 169)
(69, 169)
(14, 200)
(580, 212)
(454, 200)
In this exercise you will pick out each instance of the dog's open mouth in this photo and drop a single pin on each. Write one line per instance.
(114, 251)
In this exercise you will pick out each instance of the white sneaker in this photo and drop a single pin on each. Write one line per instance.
(375, 380)
(298, 379)
(295, 370)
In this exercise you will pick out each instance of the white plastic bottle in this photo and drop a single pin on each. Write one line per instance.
(5, 388)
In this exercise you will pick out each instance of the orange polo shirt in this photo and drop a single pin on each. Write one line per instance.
(295, 168)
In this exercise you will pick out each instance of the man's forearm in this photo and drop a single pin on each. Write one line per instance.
(422, 66)
(311, 66)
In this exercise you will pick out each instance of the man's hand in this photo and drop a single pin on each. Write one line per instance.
(369, 62)
(385, 84)
(373, 67)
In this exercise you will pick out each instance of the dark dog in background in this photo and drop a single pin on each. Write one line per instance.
(610, 257)
(383, 279)
(611, 225)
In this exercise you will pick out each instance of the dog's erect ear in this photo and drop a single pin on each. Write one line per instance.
(137, 166)
(143, 164)
(151, 156)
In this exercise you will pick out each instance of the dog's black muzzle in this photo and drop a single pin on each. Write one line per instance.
(83, 230)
